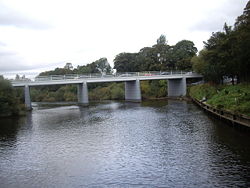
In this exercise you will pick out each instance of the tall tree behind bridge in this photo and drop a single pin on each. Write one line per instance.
(102, 65)
(227, 53)
(126, 62)
(160, 56)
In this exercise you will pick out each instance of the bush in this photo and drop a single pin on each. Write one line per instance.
(9, 102)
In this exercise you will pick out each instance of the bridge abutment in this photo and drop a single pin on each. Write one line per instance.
(82, 94)
(133, 91)
(177, 87)
(27, 99)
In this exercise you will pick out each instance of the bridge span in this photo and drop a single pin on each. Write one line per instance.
(176, 83)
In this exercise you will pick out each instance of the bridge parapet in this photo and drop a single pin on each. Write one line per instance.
(106, 77)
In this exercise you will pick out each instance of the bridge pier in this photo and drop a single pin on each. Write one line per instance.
(177, 87)
(133, 91)
(27, 99)
(82, 94)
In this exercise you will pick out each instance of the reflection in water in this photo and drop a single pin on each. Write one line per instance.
(119, 144)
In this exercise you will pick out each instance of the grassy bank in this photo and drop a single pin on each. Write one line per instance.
(234, 98)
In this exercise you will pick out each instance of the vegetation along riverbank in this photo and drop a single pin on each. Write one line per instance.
(10, 102)
(235, 98)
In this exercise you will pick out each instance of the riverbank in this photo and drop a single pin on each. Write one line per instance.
(233, 98)
(227, 102)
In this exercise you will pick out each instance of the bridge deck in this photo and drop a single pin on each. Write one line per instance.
(58, 80)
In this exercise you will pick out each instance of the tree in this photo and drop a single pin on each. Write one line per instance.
(125, 62)
(159, 57)
(147, 59)
(200, 65)
(215, 56)
(242, 43)
(102, 65)
(68, 66)
(84, 69)
(183, 52)
(162, 40)
(17, 77)
(9, 103)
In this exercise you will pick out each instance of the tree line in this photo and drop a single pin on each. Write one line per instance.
(159, 57)
(227, 53)
(99, 66)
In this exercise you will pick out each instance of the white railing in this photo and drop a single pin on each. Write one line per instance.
(98, 75)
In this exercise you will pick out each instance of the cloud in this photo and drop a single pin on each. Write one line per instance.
(10, 17)
(209, 25)
(2, 44)
(10, 61)
(213, 20)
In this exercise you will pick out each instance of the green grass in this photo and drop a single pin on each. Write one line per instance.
(232, 98)
(201, 91)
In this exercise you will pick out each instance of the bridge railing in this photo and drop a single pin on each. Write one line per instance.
(99, 75)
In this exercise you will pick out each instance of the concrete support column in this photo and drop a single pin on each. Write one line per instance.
(82, 94)
(27, 99)
(133, 91)
(177, 87)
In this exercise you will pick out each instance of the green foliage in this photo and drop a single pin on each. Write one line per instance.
(202, 91)
(103, 91)
(126, 62)
(235, 98)
(57, 71)
(153, 89)
(50, 94)
(9, 102)
(162, 40)
(103, 66)
(183, 52)
(227, 53)
(160, 56)
(99, 66)
(113, 91)
(68, 66)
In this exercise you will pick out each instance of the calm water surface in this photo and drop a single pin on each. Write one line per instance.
(118, 144)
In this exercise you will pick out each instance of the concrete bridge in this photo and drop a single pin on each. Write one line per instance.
(176, 83)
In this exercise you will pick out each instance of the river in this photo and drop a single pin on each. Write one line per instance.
(118, 144)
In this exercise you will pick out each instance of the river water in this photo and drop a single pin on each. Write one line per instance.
(119, 144)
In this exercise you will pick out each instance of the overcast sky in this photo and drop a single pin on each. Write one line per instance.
(38, 35)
